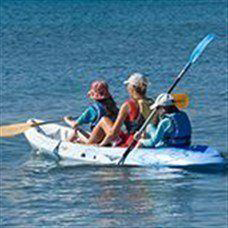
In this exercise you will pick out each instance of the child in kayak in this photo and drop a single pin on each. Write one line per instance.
(132, 113)
(172, 127)
(103, 105)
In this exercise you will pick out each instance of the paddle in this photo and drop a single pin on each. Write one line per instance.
(181, 100)
(195, 54)
(16, 129)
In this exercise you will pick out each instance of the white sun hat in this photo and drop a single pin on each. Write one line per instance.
(136, 79)
(163, 99)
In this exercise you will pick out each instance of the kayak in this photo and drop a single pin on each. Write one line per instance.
(51, 139)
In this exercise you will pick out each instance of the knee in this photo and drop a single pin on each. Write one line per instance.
(104, 120)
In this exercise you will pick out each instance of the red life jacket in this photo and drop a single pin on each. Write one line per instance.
(131, 123)
(134, 110)
(133, 120)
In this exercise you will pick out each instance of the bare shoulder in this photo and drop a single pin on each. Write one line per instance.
(124, 107)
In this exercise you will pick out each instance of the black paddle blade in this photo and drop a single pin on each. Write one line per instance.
(129, 149)
(121, 161)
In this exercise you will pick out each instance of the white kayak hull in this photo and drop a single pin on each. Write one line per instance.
(50, 139)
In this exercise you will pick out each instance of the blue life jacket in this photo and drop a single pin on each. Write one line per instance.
(101, 111)
(181, 135)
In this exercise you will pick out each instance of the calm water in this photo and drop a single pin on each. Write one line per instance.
(52, 50)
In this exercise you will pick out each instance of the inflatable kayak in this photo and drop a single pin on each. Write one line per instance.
(51, 139)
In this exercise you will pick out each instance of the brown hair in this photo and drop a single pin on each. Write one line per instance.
(171, 109)
(110, 106)
(141, 89)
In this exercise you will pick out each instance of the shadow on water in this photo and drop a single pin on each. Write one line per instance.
(207, 169)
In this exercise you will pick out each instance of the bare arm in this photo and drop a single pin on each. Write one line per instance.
(71, 122)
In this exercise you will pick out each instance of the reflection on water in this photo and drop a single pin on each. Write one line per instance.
(106, 196)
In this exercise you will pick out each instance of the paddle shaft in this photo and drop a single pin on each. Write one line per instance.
(179, 77)
(46, 122)
(52, 121)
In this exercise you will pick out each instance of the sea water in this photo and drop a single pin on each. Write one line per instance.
(50, 53)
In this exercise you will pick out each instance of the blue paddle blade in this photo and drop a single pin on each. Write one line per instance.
(200, 47)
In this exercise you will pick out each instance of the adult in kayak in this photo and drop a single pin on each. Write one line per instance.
(103, 105)
(171, 128)
(132, 113)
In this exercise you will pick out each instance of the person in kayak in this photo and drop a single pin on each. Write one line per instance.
(132, 113)
(103, 105)
(171, 128)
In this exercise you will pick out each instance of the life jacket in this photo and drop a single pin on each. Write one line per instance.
(138, 112)
(134, 119)
(181, 135)
(144, 106)
(101, 111)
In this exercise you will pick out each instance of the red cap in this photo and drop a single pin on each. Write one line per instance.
(99, 90)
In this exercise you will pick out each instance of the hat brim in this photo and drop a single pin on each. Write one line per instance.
(153, 106)
(132, 83)
(97, 96)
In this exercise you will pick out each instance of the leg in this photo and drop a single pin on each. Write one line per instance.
(83, 136)
(78, 134)
(99, 131)
(73, 137)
